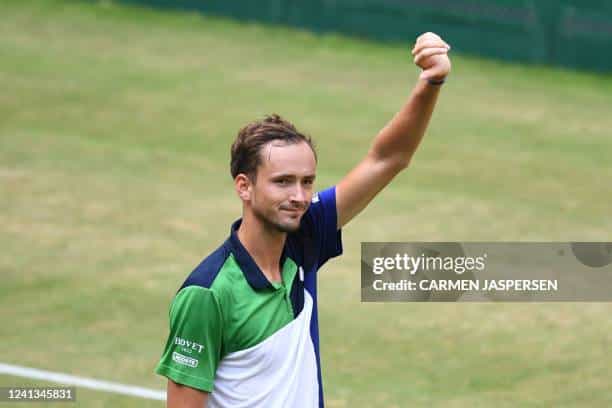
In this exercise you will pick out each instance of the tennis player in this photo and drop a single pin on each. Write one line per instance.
(243, 326)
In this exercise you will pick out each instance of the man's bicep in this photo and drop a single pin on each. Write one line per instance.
(355, 191)
(182, 396)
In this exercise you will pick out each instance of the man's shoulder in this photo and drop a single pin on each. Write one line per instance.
(320, 214)
(207, 271)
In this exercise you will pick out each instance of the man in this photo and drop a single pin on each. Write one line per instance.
(243, 326)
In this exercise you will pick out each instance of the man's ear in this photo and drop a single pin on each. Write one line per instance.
(243, 186)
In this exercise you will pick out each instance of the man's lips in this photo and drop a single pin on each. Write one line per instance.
(293, 210)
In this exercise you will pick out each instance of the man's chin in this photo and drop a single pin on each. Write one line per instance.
(289, 226)
(282, 224)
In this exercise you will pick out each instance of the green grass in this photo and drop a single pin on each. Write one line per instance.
(115, 126)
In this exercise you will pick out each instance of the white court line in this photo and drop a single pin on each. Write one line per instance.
(84, 382)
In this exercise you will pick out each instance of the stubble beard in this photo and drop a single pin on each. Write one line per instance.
(275, 225)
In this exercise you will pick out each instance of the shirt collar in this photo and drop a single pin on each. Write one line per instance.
(249, 268)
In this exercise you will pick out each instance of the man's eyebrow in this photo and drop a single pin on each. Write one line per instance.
(292, 175)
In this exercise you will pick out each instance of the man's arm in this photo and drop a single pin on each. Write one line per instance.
(396, 143)
(181, 396)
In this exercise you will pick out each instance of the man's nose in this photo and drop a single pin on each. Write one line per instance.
(298, 193)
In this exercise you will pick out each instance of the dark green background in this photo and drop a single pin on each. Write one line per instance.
(569, 33)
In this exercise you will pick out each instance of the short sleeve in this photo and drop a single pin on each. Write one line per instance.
(321, 224)
(193, 349)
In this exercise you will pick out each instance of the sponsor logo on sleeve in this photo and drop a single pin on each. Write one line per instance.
(184, 360)
(188, 346)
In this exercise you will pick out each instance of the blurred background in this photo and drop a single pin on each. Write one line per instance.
(569, 33)
(115, 125)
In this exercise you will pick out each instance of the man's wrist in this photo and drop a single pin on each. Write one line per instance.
(436, 81)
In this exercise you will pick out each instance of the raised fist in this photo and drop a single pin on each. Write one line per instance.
(431, 54)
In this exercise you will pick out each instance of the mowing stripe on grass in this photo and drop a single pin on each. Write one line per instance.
(84, 382)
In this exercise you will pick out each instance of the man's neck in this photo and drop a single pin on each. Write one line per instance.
(264, 245)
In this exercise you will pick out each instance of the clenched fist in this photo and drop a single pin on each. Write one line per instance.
(431, 54)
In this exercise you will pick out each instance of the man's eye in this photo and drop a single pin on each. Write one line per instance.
(309, 182)
(282, 182)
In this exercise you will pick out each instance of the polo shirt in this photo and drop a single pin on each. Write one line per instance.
(248, 341)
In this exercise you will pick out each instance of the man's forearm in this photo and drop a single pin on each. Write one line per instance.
(399, 139)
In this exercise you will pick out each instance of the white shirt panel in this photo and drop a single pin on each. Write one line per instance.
(281, 371)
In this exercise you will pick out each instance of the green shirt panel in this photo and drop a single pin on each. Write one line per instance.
(206, 324)
(252, 316)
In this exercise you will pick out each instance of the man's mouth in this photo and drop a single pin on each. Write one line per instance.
(293, 210)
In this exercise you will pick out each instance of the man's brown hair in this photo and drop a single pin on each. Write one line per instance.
(245, 153)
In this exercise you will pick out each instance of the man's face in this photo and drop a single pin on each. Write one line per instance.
(284, 185)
